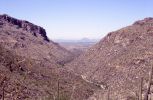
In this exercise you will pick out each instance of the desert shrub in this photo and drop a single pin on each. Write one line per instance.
(49, 97)
(132, 98)
(17, 27)
(12, 61)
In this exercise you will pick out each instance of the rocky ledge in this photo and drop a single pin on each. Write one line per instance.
(25, 25)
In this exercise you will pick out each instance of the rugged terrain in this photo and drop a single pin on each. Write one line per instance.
(30, 40)
(23, 79)
(31, 65)
(118, 61)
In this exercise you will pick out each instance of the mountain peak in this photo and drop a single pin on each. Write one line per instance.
(25, 25)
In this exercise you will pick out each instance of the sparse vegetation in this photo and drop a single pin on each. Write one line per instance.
(132, 98)
(35, 66)
(120, 59)
(29, 80)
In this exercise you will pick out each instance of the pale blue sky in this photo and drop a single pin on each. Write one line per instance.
(76, 19)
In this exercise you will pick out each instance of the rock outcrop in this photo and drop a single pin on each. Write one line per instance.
(25, 25)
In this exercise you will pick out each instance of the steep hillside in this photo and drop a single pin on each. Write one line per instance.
(23, 79)
(119, 60)
(30, 65)
(30, 40)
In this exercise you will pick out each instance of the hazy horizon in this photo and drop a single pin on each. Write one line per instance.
(77, 19)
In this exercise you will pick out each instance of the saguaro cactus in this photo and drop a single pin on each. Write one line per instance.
(3, 93)
(149, 84)
(108, 94)
(140, 88)
(2, 83)
(58, 90)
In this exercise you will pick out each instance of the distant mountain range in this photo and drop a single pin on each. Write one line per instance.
(83, 40)
(77, 47)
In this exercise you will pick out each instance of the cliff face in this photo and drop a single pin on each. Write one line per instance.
(25, 25)
(119, 60)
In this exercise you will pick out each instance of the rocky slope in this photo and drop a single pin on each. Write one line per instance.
(119, 60)
(31, 65)
(30, 40)
(24, 79)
